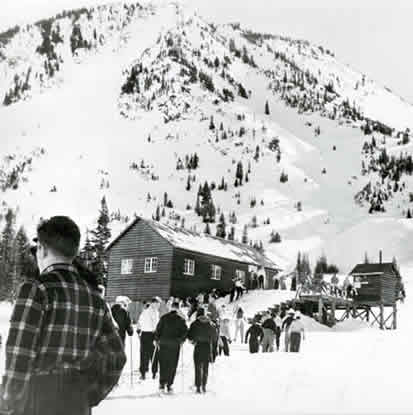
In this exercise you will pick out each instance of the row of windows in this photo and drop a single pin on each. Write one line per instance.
(151, 265)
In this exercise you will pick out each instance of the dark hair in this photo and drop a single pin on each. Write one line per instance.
(60, 234)
(200, 312)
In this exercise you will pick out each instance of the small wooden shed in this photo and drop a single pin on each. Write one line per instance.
(376, 283)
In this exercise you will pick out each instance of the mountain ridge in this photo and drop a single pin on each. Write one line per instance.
(107, 130)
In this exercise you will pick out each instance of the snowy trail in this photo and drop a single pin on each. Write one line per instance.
(337, 371)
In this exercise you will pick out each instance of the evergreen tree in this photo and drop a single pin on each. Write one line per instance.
(231, 235)
(158, 214)
(239, 173)
(188, 184)
(163, 213)
(88, 254)
(100, 238)
(366, 258)
(221, 227)
(245, 235)
(207, 229)
(165, 199)
(267, 108)
(25, 266)
(7, 257)
(211, 123)
(409, 214)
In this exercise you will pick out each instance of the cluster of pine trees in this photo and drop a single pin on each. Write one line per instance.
(16, 261)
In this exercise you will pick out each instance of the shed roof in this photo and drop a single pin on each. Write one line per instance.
(205, 244)
(378, 268)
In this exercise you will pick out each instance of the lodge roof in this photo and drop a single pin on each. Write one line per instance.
(378, 268)
(202, 243)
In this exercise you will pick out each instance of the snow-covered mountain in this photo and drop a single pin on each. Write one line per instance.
(116, 100)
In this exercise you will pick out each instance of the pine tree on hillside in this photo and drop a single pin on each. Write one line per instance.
(188, 184)
(211, 123)
(221, 227)
(231, 235)
(7, 257)
(239, 174)
(366, 258)
(245, 235)
(409, 214)
(267, 108)
(25, 266)
(100, 238)
(88, 254)
(207, 229)
(157, 216)
(165, 199)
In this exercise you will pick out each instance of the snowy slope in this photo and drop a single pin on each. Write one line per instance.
(83, 133)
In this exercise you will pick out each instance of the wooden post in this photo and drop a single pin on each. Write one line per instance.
(367, 314)
(320, 310)
(381, 316)
(394, 316)
(333, 312)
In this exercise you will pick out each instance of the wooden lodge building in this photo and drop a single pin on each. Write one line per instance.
(152, 259)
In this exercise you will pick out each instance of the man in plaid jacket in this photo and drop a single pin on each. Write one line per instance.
(63, 353)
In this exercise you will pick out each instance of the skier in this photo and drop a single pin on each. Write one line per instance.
(122, 318)
(170, 333)
(146, 330)
(239, 289)
(255, 335)
(233, 290)
(203, 335)
(285, 327)
(63, 353)
(239, 324)
(224, 337)
(269, 328)
(296, 330)
(278, 325)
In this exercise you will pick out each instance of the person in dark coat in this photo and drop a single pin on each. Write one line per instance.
(269, 328)
(170, 333)
(203, 334)
(255, 335)
(63, 352)
(121, 316)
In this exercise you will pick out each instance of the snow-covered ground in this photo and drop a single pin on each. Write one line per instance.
(351, 369)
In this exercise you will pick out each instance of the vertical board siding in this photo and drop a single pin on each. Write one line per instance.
(139, 242)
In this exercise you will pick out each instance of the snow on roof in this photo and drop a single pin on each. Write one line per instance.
(206, 244)
(379, 268)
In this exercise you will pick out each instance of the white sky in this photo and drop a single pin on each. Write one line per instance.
(372, 36)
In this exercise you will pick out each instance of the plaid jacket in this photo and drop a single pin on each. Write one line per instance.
(61, 323)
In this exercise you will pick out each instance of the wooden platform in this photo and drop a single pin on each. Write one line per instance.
(329, 300)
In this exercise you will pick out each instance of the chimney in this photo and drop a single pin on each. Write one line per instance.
(380, 257)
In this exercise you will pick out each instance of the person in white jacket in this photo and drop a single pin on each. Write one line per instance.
(296, 331)
(147, 323)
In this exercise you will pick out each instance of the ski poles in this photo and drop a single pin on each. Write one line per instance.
(131, 361)
(182, 367)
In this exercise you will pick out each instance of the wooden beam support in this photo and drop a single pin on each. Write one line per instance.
(381, 316)
(394, 316)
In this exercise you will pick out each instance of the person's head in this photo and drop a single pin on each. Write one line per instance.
(57, 241)
(291, 312)
(155, 303)
(175, 305)
(200, 312)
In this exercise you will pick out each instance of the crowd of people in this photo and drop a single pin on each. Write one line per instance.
(65, 350)
(163, 326)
